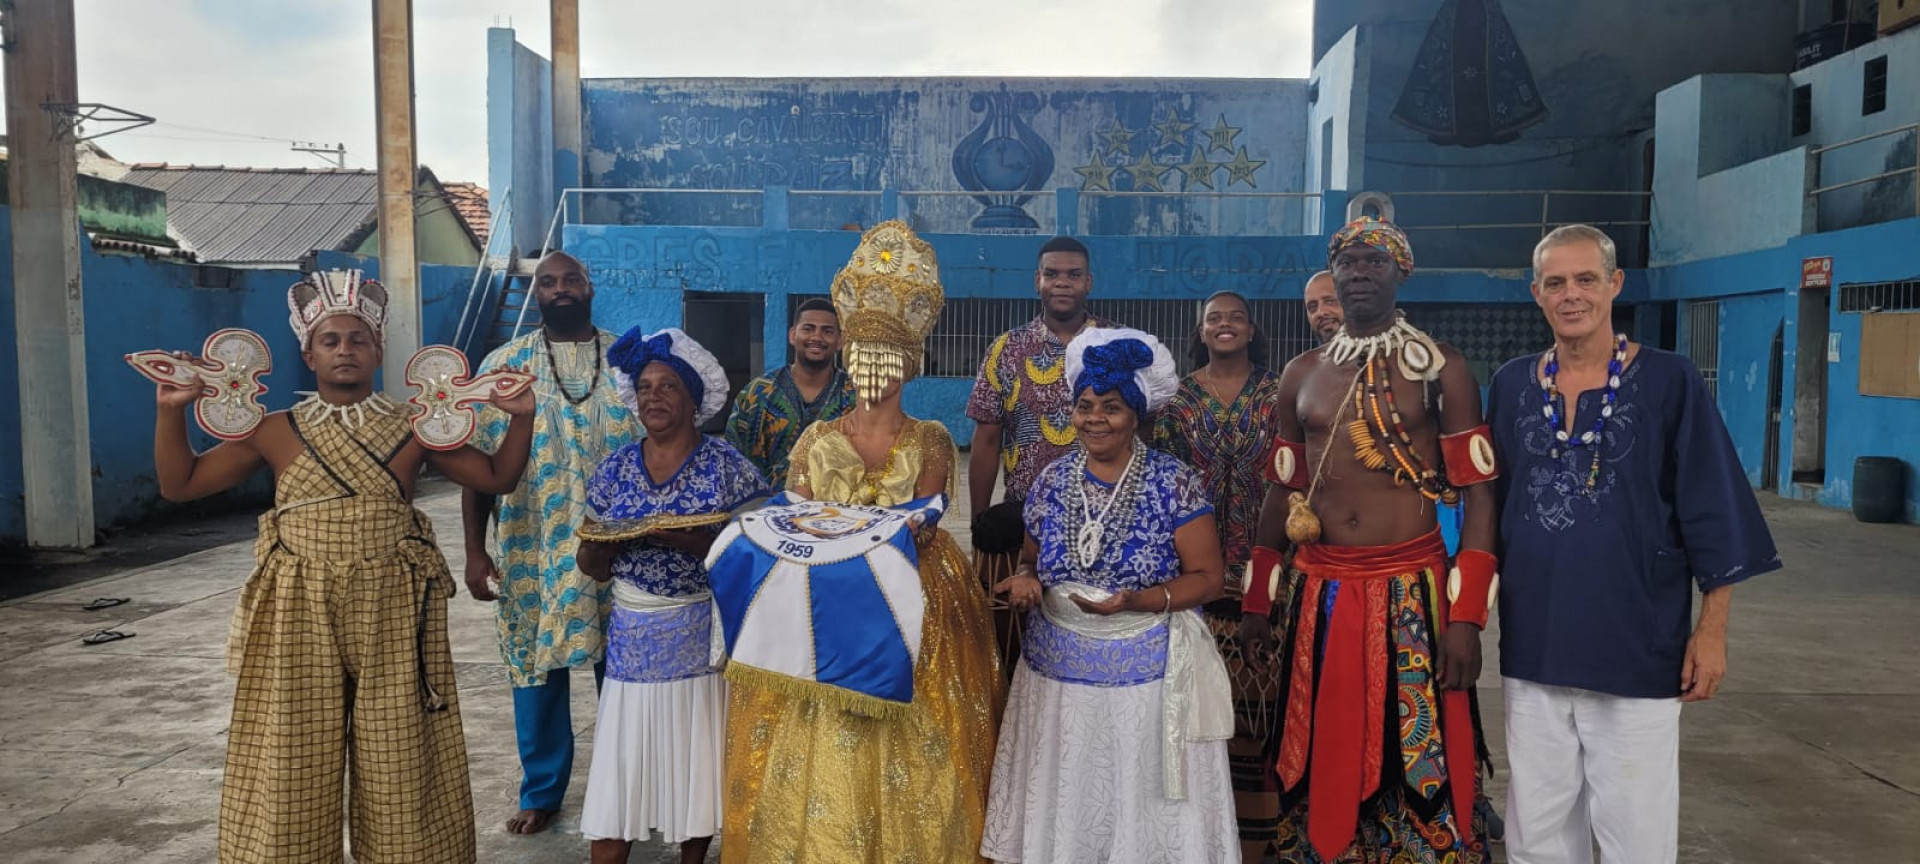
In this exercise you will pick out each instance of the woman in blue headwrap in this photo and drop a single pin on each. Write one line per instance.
(658, 752)
(1113, 745)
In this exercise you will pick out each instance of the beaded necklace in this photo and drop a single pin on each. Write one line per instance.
(1550, 394)
(555, 367)
(1088, 533)
(1380, 424)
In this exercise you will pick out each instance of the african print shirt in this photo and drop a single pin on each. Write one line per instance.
(1022, 388)
(1597, 581)
(1138, 552)
(550, 615)
(1224, 445)
(715, 478)
(771, 412)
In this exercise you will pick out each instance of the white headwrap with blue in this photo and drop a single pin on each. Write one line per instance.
(706, 382)
(1124, 359)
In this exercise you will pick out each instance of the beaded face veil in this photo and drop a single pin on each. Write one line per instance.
(888, 298)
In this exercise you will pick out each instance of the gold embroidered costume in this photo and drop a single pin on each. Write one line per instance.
(808, 781)
(340, 645)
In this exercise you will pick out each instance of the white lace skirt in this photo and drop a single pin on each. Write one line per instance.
(658, 761)
(1077, 780)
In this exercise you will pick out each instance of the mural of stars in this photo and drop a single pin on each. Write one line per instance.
(1221, 136)
(1242, 168)
(1119, 139)
(1095, 175)
(1146, 174)
(1172, 130)
(1114, 154)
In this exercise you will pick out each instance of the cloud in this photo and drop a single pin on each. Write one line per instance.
(303, 69)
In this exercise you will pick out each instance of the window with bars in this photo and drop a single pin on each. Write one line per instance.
(1901, 296)
(1703, 341)
(1488, 334)
(1873, 87)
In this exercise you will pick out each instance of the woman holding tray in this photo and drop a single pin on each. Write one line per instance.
(658, 757)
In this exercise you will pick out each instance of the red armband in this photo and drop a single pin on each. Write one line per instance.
(1287, 464)
(1263, 581)
(1469, 456)
(1472, 587)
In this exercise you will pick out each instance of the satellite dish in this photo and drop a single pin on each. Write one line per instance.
(1370, 205)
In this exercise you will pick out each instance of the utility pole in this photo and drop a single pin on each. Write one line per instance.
(49, 319)
(337, 154)
(393, 102)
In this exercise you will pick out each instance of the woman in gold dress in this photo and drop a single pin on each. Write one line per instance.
(811, 781)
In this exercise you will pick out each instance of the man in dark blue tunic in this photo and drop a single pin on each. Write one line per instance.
(1620, 494)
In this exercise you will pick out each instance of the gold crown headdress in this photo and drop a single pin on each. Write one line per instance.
(888, 298)
(336, 292)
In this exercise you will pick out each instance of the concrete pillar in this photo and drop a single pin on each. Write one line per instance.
(393, 128)
(566, 95)
(49, 319)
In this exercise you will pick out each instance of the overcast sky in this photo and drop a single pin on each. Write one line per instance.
(232, 80)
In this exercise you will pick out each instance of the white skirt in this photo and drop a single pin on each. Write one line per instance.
(658, 761)
(1077, 780)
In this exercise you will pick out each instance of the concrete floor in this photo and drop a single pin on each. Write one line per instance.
(113, 753)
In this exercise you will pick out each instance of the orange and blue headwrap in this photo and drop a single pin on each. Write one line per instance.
(1384, 236)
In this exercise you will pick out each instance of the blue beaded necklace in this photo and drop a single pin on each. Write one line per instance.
(1549, 393)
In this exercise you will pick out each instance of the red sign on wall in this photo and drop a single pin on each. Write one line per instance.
(1816, 272)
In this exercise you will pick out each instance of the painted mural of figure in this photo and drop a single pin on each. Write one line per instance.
(658, 754)
(1219, 423)
(1470, 84)
(810, 777)
(1377, 428)
(340, 637)
(551, 617)
(1623, 496)
(1022, 409)
(772, 410)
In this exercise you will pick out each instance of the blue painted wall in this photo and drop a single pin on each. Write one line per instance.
(1856, 425)
(640, 272)
(1595, 66)
(1715, 194)
(135, 304)
(1012, 140)
(1838, 116)
(520, 137)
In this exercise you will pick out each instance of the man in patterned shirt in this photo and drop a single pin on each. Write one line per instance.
(551, 616)
(1022, 407)
(772, 410)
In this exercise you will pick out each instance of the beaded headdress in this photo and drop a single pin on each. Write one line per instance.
(1384, 236)
(336, 292)
(888, 298)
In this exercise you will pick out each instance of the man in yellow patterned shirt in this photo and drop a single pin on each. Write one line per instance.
(552, 617)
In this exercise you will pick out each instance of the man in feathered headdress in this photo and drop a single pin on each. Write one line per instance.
(340, 637)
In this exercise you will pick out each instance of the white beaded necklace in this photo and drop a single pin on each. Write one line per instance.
(314, 409)
(1093, 529)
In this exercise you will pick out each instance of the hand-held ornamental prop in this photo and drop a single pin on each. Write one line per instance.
(445, 394)
(228, 373)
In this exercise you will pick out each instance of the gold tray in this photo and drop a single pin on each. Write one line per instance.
(633, 529)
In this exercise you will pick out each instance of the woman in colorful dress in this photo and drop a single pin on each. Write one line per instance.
(807, 778)
(658, 757)
(1113, 747)
(1220, 423)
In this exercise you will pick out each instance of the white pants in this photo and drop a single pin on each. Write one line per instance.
(1586, 766)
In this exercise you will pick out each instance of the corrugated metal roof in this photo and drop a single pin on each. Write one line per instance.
(261, 215)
